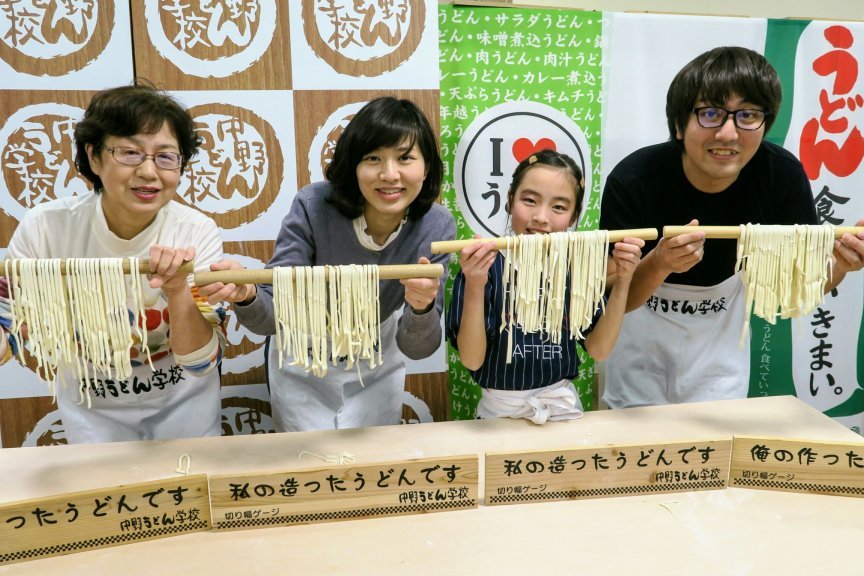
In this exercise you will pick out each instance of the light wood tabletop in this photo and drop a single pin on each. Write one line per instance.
(731, 531)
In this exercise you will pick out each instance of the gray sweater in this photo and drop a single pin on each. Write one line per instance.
(314, 233)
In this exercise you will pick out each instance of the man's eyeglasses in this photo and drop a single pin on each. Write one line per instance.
(135, 157)
(746, 119)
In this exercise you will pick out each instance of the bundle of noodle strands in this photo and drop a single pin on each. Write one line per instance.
(327, 313)
(537, 270)
(81, 320)
(784, 268)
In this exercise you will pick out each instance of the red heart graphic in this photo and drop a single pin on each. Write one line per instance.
(523, 147)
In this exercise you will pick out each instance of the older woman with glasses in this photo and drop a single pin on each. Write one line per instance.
(133, 144)
(681, 341)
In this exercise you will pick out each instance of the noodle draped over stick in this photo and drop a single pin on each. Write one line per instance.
(317, 307)
(537, 293)
(784, 269)
(81, 321)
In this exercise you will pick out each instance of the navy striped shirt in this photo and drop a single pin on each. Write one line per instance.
(536, 361)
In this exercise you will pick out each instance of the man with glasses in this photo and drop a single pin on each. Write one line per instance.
(680, 343)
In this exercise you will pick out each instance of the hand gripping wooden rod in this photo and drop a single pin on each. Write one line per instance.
(501, 242)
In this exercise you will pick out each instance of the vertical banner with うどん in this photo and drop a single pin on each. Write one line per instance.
(514, 81)
(824, 111)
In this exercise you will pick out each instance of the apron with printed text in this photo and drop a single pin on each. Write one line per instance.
(163, 403)
(303, 401)
(159, 404)
(683, 345)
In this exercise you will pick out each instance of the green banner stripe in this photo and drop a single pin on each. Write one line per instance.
(859, 373)
(771, 346)
(781, 44)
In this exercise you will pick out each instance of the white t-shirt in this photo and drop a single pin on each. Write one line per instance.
(171, 401)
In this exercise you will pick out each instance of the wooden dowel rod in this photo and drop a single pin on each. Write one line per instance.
(733, 232)
(265, 276)
(143, 267)
(387, 272)
(710, 231)
(501, 242)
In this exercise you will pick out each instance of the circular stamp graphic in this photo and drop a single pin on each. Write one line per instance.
(364, 37)
(54, 38)
(211, 38)
(245, 415)
(324, 141)
(38, 157)
(48, 431)
(494, 144)
(238, 171)
(417, 406)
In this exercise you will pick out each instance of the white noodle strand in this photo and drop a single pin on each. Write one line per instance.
(317, 307)
(536, 270)
(80, 323)
(784, 269)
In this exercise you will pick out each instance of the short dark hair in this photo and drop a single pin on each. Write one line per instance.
(552, 159)
(129, 110)
(383, 122)
(717, 74)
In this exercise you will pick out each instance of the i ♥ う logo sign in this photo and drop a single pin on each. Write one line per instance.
(495, 143)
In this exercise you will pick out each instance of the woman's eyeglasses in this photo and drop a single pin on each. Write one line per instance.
(135, 157)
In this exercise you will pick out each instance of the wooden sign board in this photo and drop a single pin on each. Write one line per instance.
(344, 492)
(103, 517)
(604, 471)
(798, 466)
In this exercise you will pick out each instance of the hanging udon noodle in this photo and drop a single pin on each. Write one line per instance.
(317, 307)
(784, 269)
(81, 322)
(536, 270)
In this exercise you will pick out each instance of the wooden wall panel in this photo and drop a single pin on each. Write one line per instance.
(51, 25)
(197, 51)
(36, 151)
(190, 48)
(315, 108)
(19, 417)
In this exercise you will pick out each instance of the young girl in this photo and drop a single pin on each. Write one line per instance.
(545, 196)
(376, 207)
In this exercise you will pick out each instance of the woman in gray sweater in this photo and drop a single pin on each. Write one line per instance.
(378, 206)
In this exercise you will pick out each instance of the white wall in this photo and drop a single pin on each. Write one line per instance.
(830, 10)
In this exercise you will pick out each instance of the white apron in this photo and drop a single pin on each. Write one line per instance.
(557, 401)
(165, 404)
(302, 401)
(160, 404)
(682, 345)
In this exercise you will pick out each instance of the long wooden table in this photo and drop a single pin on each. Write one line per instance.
(718, 532)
